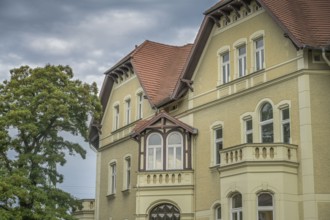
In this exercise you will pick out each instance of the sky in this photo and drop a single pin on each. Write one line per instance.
(90, 36)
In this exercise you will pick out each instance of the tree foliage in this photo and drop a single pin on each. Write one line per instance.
(36, 106)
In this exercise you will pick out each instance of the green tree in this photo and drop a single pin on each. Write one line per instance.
(36, 106)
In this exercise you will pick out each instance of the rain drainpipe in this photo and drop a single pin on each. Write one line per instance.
(325, 57)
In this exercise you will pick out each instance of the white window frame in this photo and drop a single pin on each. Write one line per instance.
(266, 122)
(139, 105)
(285, 122)
(241, 65)
(225, 67)
(216, 212)
(265, 208)
(174, 146)
(217, 141)
(127, 172)
(154, 154)
(248, 131)
(128, 104)
(259, 53)
(239, 210)
(112, 178)
(116, 114)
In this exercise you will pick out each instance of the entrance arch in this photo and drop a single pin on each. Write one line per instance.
(165, 211)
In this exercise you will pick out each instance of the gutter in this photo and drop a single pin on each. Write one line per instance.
(325, 57)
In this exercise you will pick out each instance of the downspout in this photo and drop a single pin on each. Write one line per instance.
(325, 57)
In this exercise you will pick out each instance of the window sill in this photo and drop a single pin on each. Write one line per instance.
(111, 196)
(126, 191)
(214, 168)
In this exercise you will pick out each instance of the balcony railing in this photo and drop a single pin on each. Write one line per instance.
(165, 178)
(258, 152)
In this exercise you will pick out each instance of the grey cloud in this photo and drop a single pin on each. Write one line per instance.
(90, 36)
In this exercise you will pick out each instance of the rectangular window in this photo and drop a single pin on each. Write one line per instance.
(259, 53)
(241, 60)
(248, 131)
(139, 105)
(128, 111)
(113, 178)
(128, 172)
(218, 144)
(116, 117)
(286, 125)
(225, 67)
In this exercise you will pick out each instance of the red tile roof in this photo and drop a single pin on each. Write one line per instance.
(307, 22)
(159, 67)
(162, 120)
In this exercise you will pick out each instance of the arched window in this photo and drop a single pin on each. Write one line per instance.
(265, 206)
(174, 151)
(154, 152)
(266, 123)
(217, 212)
(236, 207)
(165, 212)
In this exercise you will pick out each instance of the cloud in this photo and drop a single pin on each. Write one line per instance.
(90, 36)
(51, 45)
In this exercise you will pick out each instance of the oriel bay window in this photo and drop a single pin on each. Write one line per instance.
(164, 143)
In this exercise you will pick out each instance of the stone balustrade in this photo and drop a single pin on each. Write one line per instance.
(258, 152)
(165, 178)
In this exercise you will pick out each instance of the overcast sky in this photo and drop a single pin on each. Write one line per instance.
(90, 36)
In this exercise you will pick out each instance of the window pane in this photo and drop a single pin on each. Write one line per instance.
(249, 138)
(259, 43)
(170, 158)
(235, 216)
(225, 57)
(265, 199)
(158, 158)
(217, 153)
(266, 112)
(267, 133)
(150, 158)
(154, 139)
(218, 133)
(285, 114)
(242, 51)
(174, 138)
(178, 155)
(237, 201)
(249, 125)
(218, 213)
(265, 215)
(286, 133)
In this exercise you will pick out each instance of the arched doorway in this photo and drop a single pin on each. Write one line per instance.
(165, 211)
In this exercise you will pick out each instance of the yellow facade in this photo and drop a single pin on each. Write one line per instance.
(294, 173)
